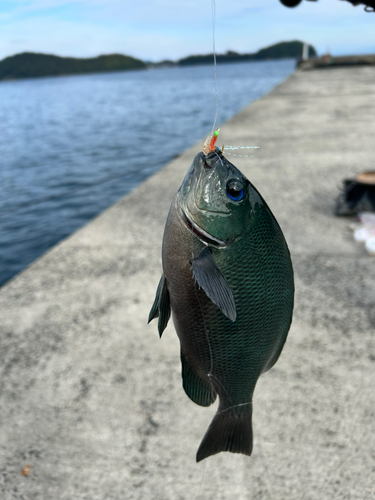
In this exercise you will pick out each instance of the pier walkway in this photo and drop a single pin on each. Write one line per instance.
(91, 399)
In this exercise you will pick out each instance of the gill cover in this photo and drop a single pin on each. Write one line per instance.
(217, 198)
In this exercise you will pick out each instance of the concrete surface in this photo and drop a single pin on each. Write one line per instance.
(92, 400)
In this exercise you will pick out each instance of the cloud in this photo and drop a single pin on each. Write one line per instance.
(158, 29)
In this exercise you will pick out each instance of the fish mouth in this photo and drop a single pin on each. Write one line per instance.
(207, 238)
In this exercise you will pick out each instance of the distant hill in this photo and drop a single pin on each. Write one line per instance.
(30, 64)
(282, 50)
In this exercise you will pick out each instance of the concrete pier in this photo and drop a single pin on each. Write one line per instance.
(91, 399)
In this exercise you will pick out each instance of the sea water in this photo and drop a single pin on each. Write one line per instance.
(72, 146)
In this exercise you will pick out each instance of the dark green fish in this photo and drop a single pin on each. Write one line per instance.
(228, 280)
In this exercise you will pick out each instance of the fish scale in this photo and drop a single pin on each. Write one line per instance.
(228, 281)
(232, 344)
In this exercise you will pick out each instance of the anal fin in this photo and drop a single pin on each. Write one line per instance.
(195, 387)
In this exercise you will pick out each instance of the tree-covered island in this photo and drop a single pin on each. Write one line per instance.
(31, 64)
(282, 50)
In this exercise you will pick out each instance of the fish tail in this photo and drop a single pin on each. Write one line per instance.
(230, 430)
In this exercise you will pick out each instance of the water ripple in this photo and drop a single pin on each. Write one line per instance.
(71, 146)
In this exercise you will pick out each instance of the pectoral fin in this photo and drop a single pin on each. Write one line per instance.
(210, 278)
(161, 308)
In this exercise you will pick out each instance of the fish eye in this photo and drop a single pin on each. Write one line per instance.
(235, 190)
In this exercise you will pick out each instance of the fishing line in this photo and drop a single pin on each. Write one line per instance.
(235, 406)
(213, 13)
(241, 147)
(209, 145)
(234, 148)
(202, 480)
(207, 332)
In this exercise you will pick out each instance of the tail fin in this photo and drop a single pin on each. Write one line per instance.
(230, 430)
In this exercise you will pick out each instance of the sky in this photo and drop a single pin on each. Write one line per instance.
(154, 30)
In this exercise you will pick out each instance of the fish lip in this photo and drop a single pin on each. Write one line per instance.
(207, 238)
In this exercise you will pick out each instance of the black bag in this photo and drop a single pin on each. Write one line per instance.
(358, 195)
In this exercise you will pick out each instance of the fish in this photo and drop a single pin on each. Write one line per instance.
(228, 283)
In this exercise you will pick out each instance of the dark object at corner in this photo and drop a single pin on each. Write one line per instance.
(369, 4)
(293, 3)
(290, 3)
(358, 195)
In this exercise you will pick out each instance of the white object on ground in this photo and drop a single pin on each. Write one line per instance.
(370, 245)
(367, 218)
(364, 231)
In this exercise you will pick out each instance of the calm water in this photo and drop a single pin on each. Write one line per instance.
(72, 146)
